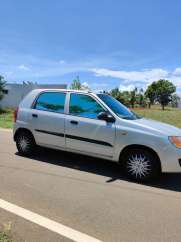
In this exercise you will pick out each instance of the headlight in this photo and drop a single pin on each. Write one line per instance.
(176, 140)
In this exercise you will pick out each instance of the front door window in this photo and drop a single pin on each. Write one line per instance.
(84, 106)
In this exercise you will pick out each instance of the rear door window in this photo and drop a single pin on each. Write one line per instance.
(51, 101)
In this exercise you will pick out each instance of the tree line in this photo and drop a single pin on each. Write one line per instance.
(161, 92)
(2, 86)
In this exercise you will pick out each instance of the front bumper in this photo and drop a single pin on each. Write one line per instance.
(171, 159)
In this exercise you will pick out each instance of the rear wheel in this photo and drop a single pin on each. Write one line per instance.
(25, 143)
(141, 165)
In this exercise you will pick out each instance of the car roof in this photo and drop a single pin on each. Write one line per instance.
(63, 90)
(27, 101)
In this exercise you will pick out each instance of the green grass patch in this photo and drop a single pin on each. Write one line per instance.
(5, 231)
(169, 115)
(6, 118)
(4, 237)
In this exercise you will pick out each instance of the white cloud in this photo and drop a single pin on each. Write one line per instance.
(130, 79)
(177, 72)
(126, 88)
(23, 67)
(61, 62)
(145, 76)
(175, 76)
(85, 86)
(141, 78)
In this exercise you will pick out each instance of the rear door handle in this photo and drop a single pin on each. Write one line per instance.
(35, 115)
(74, 122)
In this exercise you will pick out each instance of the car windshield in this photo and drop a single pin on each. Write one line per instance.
(118, 108)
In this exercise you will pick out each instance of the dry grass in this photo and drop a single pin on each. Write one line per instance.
(169, 115)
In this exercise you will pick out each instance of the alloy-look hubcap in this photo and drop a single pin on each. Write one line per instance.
(23, 143)
(139, 165)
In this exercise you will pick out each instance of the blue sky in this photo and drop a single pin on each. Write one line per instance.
(108, 43)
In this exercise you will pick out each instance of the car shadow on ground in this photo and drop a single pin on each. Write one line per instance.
(111, 170)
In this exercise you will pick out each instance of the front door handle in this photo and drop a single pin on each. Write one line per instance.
(74, 122)
(35, 115)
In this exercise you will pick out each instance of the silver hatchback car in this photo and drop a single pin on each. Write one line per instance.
(99, 126)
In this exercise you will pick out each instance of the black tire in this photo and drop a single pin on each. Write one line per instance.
(25, 143)
(141, 165)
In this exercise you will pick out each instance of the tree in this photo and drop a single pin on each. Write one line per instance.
(115, 93)
(160, 91)
(2, 85)
(76, 84)
(129, 98)
(125, 98)
(175, 100)
(133, 97)
(140, 98)
(150, 94)
(164, 91)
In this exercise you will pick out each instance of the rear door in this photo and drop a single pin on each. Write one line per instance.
(84, 131)
(48, 119)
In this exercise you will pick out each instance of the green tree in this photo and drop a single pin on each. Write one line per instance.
(129, 98)
(2, 85)
(133, 97)
(175, 100)
(115, 93)
(125, 98)
(164, 91)
(160, 91)
(140, 98)
(76, 84)
(150, 94)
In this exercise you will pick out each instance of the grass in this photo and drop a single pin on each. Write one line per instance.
(6, 118)
(4, 237)
(169, 115)
(5, 233)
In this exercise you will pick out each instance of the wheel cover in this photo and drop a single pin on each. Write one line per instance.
(139, 165)
(24, 143)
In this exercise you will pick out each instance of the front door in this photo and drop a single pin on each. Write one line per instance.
(84, 131)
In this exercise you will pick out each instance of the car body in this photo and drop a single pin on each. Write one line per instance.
(97, 125)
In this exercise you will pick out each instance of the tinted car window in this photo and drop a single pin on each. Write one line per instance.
(117, 107)
(51, 101)
(84, 106)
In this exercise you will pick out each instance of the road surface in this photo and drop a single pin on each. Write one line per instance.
(88, 195)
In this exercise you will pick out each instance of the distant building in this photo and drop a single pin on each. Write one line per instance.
(14, 93)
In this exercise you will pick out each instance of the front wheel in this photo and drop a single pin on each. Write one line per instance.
(25, 143)
(141, 165)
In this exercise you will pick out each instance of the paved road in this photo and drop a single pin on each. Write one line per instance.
(88, 195)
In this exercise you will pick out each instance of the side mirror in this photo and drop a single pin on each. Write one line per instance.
(106, 117)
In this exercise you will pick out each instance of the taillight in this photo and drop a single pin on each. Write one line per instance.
(15, 115)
